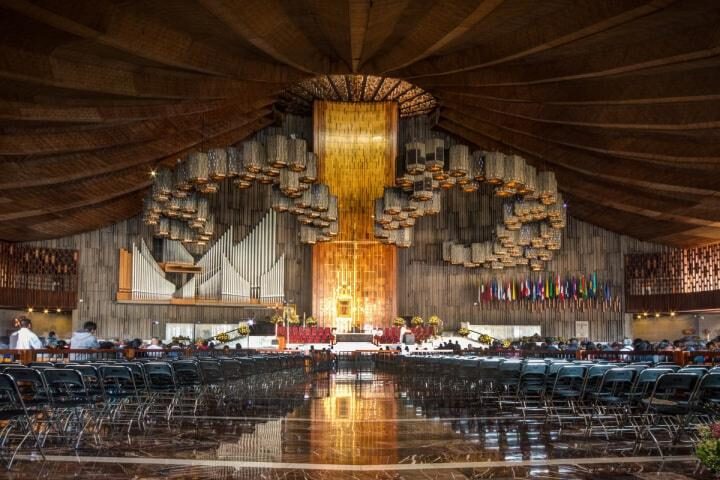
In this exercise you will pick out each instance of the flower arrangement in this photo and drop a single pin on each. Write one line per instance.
(276, 319)
(294, 319)
(222, 337)
(243, 331)
(463, 332)
(485, 339)
(708, 448)
(310, 321)
(399, 322)
(434, 321)
(506, 343)
(417, 321)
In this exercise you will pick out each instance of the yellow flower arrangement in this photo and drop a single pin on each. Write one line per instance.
(434, 320)
(485, 339)
(417, 321)
(399, 322)
(222, 337)
(294, 320)
(276, 319)
(506, 343)
(243, 331)
(463, 332)
(310, 321)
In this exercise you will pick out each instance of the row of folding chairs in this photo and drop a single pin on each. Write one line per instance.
(62, 404)
(661, 402)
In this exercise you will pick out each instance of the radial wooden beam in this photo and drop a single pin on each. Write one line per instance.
(627, 172)
(33, 142)
(46, 171)
(359, 17)
(642, 146)
(444, 23)
(122, 28)
(661, 52)
(265, 24)
(34, 68)
(577, 20)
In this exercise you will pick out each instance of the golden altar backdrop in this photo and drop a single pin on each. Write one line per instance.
(356, 144)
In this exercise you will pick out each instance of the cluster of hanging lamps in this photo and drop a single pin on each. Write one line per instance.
(178, 208)
(532, 203)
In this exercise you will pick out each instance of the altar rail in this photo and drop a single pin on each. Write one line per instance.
(82, 355)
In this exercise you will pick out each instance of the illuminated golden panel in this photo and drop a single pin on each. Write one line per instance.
(356, 146)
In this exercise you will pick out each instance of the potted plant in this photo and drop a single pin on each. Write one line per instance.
(399, 322)
(708, 448)
(417, 321)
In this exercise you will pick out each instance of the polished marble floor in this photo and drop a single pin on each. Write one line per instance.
(358, 425)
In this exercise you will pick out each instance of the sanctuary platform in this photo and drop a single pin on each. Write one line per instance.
(353, 337)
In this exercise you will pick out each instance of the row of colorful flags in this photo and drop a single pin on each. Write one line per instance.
(548, 287)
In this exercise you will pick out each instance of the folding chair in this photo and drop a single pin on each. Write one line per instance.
(70, 401)
(19, 421)
(611, 401)
(667, 408)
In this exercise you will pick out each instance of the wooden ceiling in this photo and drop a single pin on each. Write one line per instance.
(620, 97)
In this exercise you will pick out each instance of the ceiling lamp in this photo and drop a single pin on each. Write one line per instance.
(434, 154)
(459, 164)
(297, 154)
(310, 173)
(277, 153)
(197, 165)
(415, 157)
(494, 168)
(547, 187)
(217, 164)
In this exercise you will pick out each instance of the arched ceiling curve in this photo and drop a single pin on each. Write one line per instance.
(620, 97)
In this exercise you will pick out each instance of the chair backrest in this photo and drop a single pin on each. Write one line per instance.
(675, 386)
(91, 377)
(159, 375)
(708, 390)
(65, 385)
(30, 383)
(697, 371)
(119, 381)
(211, 371)
(534, 368)
(617, 382)
(187, 372)
(10, 398)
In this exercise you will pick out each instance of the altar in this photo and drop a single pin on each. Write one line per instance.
(343, 324)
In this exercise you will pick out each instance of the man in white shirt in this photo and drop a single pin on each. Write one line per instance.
(25, 339)
(154, 345)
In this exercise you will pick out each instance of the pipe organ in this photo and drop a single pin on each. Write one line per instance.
(148, 279)
(247, 271)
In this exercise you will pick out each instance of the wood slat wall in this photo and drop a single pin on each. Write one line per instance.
(429, 286)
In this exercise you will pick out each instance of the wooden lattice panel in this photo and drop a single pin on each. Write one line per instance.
(38, 277)
(687, 279)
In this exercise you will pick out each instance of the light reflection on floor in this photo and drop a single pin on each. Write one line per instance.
(357, 425)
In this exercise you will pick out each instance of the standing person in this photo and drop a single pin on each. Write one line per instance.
(25, 339)
(85, 338)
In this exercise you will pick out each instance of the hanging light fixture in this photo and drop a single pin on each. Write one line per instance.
(320, 197)
(434, 154)
(234, 162)
(277, 151)
(415, 157)
(253, 156)
(310, 173)
(547, 187)
(494, 168)
(478, 165)
(197, 164)
(163, 185)
(459, 164)
(217, 164)
(297, 154)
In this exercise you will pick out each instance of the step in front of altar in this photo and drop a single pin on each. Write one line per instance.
(353, 337)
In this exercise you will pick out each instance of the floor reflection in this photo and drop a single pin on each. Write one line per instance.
(356, 424)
